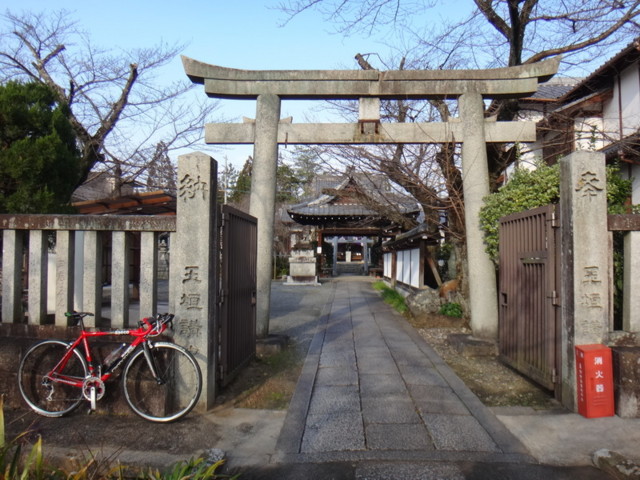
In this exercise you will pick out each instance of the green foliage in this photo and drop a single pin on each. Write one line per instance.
(525, 190)
(242, 184)
(618, 191)
(39, 160)
(618, 279)
(529, 189)
(15, 465)
(307, 164)
(287, 182)
(161, 173)
(391, 297)
(194, 469)
(451, 309)
(293, 176)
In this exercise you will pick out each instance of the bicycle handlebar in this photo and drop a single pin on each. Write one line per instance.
(158, 324)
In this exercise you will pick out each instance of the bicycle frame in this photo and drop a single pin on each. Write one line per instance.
(161, 381)
(141, 335)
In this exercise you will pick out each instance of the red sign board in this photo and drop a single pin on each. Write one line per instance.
(594, 375)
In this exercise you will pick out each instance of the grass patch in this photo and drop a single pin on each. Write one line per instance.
(391, 296)
(451, 310)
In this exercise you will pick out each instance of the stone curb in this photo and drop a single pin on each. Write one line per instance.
(616, 465)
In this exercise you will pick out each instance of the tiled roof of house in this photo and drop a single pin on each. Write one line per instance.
(604, 74)
(552, 91)
(147, 203)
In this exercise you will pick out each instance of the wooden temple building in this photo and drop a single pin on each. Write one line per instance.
(350, 216)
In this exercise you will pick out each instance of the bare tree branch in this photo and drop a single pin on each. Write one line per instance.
(110, 96)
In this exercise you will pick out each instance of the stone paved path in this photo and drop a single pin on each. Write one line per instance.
(371, 388)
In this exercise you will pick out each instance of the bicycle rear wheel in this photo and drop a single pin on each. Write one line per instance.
(170, 396)
(47, 396)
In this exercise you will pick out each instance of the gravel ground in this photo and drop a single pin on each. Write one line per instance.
(494, 383)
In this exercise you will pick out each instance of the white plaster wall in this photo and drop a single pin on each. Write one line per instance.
(611, 115)
(399, 265)
(624, 105)
(630, 99)
(406, 267)
(588, 133)
(415, 267)
(387, 258)
(531, 152)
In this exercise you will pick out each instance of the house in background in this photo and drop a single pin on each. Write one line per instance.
(101, 185)
(600, 113)
(536, 108)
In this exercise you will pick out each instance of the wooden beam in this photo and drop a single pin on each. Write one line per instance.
(623, 223)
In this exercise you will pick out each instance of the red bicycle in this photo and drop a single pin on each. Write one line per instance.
(161, 380)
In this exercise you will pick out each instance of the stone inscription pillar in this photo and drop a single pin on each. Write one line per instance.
(584, 291)
(194, 267)
(483, 294)
(263, 201)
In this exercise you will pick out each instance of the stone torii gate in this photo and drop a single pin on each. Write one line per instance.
(471, 87)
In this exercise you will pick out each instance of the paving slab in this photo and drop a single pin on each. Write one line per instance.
(397, 397)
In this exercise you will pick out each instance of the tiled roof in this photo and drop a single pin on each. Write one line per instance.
(147, 203)
(605, 73)
(334, 204)
(552, 91)
(342, 210)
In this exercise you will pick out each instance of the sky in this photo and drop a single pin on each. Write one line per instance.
(245, 34)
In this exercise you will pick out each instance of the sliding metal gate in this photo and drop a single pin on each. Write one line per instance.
(529, 308)
(237, 299)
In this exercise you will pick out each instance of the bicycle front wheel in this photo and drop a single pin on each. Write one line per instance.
(169, 395)
(50, 395)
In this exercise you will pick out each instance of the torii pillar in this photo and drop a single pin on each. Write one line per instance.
(471, 87)
(483, 292)
(263, 201)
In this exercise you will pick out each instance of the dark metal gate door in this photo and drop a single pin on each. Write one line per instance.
(237, 334)
(529, 314)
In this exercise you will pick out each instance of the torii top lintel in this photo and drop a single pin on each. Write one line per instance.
(222, 82)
